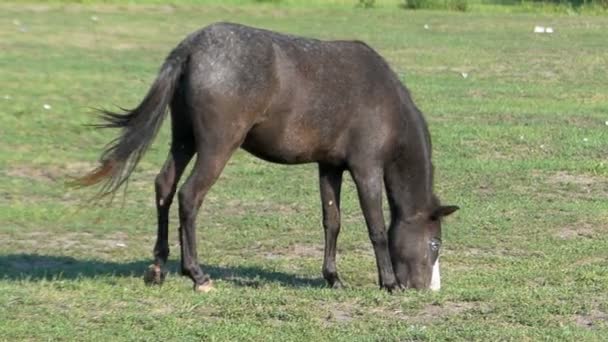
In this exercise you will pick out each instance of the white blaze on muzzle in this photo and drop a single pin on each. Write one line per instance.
(435, 278)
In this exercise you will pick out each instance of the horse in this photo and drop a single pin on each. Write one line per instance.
(289, 100)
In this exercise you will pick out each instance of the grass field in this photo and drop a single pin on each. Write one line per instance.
(520, 144)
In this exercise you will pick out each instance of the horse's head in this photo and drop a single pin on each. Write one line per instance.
(414, 248)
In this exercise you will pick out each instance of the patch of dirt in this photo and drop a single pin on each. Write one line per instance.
(125, 46)
(485, 191)
(339, 315)
(433, 312)
(364, 248)
(238, 207)
(477, 94)
(578, 185)
(33, 173)
(579, 230)
(592, 320)
(296, 251)
(590, 261)
(115, 240)
(459, 267)
(495, 252)
(46, 240)
(563, 177)
(306, 250)
(342, 313)
(560, 185)
(48, 173)
(348, 311)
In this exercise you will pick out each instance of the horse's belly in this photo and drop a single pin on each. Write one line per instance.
(289, 146)
(278, 150)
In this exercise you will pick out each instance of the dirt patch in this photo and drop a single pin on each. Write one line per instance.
(115, 240)
(459, 267)
(495, 252)
(433, 312)
(578, 185)
(66, 241)
(296, 251)
(562, 185)
(485, 191)
(590, 261)
(33, 173)
(125, 46)
(563, 177)
(347, 312)
(580, 230)
(300, 250)
(592, 320)
(238, 207)
(48, 173)
(342, 313)
(477, 94)
(339, 315)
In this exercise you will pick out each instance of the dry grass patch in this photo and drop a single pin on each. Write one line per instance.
(592, 320)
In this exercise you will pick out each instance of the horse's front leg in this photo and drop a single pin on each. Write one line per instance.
(330, 181)
(369, 187)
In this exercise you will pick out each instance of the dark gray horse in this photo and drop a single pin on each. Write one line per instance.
(287, 100)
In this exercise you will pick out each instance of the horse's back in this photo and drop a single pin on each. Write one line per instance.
(305, 100)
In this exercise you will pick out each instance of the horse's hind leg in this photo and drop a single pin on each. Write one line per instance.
(165, 186)
(180, 153)
(330, 181)
(215, 145)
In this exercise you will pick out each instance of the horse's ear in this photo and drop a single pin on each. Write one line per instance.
(443, 211)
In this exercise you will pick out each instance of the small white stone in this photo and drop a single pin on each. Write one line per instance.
(585, 139)
(120, 244)
(549, 30)
(426, 26)
(521, 137)
(464, 74)
(94, 18)
(604, 122)
(46, 106)
(539, 29)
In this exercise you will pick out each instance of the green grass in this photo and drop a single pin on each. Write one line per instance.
(520, 144)
(570, 7)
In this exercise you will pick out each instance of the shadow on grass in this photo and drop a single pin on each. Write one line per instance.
(47, 267)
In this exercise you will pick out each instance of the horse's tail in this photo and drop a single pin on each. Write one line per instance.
(139, 127)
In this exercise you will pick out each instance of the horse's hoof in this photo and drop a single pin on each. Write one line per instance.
(154, 275)
(390, 288)
(337, 285)
(204, 287)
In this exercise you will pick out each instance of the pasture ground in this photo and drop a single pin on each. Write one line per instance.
(520, 144)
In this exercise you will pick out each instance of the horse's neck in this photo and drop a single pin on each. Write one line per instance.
(409, 184)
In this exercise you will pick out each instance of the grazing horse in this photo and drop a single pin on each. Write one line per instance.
(287, 100)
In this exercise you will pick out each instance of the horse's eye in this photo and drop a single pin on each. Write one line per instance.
(435, 244)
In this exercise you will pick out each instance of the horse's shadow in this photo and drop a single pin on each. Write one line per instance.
(36, 267)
